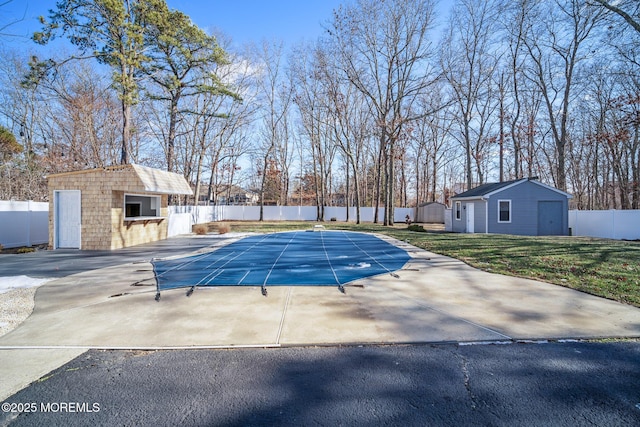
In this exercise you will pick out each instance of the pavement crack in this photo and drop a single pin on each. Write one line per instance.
(284, 313)
(464, 363)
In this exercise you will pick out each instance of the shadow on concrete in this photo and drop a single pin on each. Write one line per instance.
(64, 262)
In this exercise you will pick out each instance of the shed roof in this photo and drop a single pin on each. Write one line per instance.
(150, 180)
(429, 204)
(486, 190)
(159, 181)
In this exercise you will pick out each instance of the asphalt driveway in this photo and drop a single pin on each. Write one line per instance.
(554, 384)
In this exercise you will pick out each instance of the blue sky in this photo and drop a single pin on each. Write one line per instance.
(254, 20)
(243, 20)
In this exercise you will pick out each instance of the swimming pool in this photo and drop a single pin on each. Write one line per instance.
(296, 258)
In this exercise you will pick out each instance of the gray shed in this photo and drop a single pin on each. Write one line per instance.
(432, 212)
(522, 207)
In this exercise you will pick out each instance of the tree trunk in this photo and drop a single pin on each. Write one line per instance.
(434, 178)
(173, 118)
(347, 188)
(467, 146)
(378, 180)
(126, 131)
(390, 193)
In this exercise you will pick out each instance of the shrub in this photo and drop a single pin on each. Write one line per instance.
(25, 250)
(333, 218)
(200, 229)
(416, 227)
(223, 228)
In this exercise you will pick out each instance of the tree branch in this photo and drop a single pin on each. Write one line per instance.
(622, 13)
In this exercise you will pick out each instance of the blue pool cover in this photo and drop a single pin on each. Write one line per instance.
(297, 258)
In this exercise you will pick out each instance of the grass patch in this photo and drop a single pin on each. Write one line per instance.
(269, 226)
(602, 267)
(23, 249)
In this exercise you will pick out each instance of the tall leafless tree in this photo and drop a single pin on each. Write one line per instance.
(383, 49)
(276, 95)
(555, 43)
(469, 61)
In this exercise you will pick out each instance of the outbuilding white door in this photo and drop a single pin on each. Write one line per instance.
(470, 218)
(67, 219)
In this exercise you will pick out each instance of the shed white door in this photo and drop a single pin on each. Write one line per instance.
(470, 218)
(67, 219)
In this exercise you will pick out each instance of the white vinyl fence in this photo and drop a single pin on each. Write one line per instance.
(23, 223)
(181, 218)
(447, 220)
(27, 223)
(611, 224)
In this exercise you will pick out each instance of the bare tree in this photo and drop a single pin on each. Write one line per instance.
(23, 113)
(555, 42)
(312, 99)
(431, 143)
(469, 63)
(348, 117)
(82, 123)
(627, 9)
(276, 95)
(384, 51)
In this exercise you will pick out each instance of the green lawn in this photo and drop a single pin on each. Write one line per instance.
(607, 268)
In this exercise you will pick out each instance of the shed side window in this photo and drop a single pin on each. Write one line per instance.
(458, 210)
(504, 210)
(136, 206)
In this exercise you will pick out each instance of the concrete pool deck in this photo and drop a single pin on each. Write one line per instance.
(434, 299)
